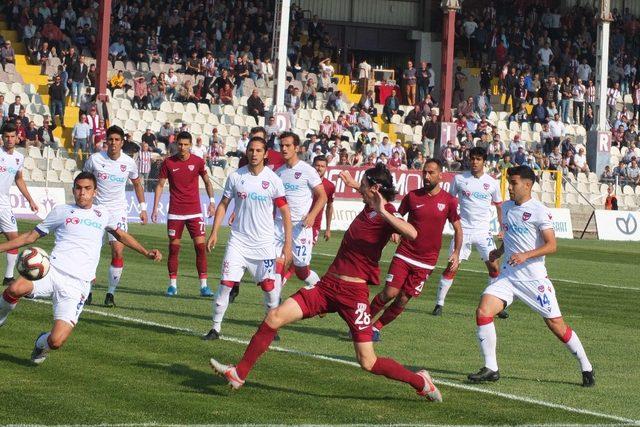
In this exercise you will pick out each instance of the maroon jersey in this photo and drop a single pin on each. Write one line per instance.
(362, 246)
(183, 178)
(275, 160)
(329, 188)
(428, 214)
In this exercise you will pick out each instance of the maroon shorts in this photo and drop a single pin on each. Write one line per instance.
(194, 225)
(332, 295)
(407, 277)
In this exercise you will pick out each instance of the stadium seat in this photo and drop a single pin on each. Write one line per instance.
(37, 175)
(70, 164)
(66, 176)
(630, 201)
(627, 190)
(29, 163)
(56, 164)
(26, 174)
(548, 198)
(34, 152)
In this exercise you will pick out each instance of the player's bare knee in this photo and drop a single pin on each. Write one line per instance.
(483, 311)
(402, 300)
(557, 326)
(366, 361)
(274, 318)
(56, 341)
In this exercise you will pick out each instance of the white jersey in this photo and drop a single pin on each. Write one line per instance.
(78, 238)
(253, 231)
(523, 226)
(10, 165)
(299, 182)
(112, 176)
(475, 196)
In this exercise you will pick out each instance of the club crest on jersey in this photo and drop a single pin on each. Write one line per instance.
(242, 195)
(373, 214)
(441, 206)
(541, 288)
(265, 184)
(191, 167)
(297, 175)
(486, 186)
(123, 168)
(526, 216)
(98, 213)
(550, 216)
(17, 161)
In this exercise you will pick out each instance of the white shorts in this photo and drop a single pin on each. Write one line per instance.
(539, 295)
(235, 263)
(8, 222)
(483, 242)
(302, 243)
(68, 294)
(123, 224)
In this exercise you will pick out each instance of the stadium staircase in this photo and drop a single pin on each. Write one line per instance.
(31, 75)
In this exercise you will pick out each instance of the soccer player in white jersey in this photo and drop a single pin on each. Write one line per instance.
(255, 190)
(112, 169)
(11, 171)
(301, 185)
(528, 238)
(79, 230)
(476, 192)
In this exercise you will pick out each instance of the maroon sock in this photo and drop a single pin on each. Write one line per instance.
(395, 371)
(172, 261)
(201, 260)
(377, 304)
(258, 345)
(390, 314)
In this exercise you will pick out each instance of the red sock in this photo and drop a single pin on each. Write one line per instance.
(395, 371)
(449, 275)
(389, 315)
(117, 262)
(289, 273)
(376, 305)
(494, 274)
(172, 262)
(258, 345)
(201, 260)
(8, 298)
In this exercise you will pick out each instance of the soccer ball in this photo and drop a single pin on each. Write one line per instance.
(33, 263)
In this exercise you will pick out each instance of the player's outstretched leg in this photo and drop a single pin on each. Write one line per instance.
(12, 257)
(390, 313)
(11, 295)
(493, 269)
(172, 266)
(487, 338)
(53, 340)
(288, 312)
(220, 305)
(421, 381)
(115, 272)
(307, 275)
(561, 330)
(201, 266)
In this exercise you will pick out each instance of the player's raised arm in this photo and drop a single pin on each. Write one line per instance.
(22, 187)
(320, 197)
(22, 240)
(130, 241)
(156, 199)
(139, 190)
(349, 181)
(221, 211)
(403, 228)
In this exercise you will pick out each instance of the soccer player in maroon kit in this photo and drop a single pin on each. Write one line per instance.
(344, 289)
(182, 170)
(429, 208)
(320, 163)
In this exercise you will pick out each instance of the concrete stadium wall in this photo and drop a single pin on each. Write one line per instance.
(403, 13)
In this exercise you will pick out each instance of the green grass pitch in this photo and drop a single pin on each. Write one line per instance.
(144, 362)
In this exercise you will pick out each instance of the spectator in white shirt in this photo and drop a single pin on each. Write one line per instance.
(613, 94)
(557, 130)
(385, 148)
(199, 149)
(580, 160)
(546, 56)
(583, 71)
(80, 136)
(578, 101)
(515, 144)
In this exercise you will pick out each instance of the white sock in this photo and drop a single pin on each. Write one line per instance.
(5, 309)
(272, 298)
(203, 283)
(114, 278)
(445, 284)
(220, 305)
(11, 263)
(43, 342)
(575, 347)
(173, 282)
(312, 278)
(487, 339)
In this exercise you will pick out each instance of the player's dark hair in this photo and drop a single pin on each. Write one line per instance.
(437, 162)
(184, 135)
(296, 138)
(258, 129)
(319, 158)
(478, 152)
(259, 139)
(9, 127)
(85, 175)
(524, 172)
(117, 130)
(380, 175)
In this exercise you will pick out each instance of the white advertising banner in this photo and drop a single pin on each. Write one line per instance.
(46, 198)
(618, 225)
(344, 211)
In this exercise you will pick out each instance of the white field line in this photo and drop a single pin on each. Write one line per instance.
(309, 425)
(470, 270)
(354, 364)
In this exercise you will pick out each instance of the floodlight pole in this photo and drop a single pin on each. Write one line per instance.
(450, 8)
(104, 23)
(602, 62)
(281, 60)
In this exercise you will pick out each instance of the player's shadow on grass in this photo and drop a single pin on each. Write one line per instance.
(297, 392)
(4, 357)
(196, 380)
(115, 323)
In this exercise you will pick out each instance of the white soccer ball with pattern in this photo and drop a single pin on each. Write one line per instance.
(33, 263)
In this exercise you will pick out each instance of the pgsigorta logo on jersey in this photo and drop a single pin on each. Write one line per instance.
(252, 196)
(9, 169)
(84, 221)
(111, 178)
